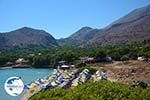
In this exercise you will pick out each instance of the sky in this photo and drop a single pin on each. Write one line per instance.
(61, 18)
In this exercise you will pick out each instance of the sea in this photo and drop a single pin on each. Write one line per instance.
(27, 76)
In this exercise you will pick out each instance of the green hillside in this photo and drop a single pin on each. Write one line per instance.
(102, 90)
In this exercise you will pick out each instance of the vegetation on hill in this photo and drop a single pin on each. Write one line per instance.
(40, 56)
(102, 90)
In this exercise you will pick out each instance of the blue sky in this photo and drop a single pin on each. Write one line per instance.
(61, 18)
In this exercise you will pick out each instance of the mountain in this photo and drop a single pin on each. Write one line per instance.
(84, 34)
(80, 37)
(25, 37)
(134, 27)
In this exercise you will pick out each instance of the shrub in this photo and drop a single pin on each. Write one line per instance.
(124, 58)
(102, 90)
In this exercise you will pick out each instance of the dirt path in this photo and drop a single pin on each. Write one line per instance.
(30, 93)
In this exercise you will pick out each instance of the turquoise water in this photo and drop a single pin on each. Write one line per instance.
(27, 75)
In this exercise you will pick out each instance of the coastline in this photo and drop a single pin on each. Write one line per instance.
(15, 66)
(22, 66)
(8, 67)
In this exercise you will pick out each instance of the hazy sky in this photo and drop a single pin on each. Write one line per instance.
(61, 18)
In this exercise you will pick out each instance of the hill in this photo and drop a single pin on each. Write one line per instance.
(80, 37)
(134, 27)
(25, 37)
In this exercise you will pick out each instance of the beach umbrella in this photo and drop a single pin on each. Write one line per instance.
(26, 87)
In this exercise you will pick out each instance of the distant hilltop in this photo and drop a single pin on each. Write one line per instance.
(25, 37)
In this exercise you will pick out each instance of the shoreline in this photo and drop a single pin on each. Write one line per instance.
(15, 66)
(22, 66)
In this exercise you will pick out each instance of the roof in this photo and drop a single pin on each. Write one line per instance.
(21, 60)
(61, 61)
(64, 66)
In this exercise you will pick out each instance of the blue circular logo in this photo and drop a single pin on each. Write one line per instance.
(14, 86)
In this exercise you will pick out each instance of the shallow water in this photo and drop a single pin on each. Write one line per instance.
(27, 75)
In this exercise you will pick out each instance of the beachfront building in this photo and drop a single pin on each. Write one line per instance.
(61, 62)
(141, 58)
(21, 61)
(65, 67)
(87, 60)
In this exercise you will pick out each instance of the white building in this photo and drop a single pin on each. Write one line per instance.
(21, 61)
(141, 58)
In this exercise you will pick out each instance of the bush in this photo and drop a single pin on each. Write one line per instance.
(124, 58)
(102, 90)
